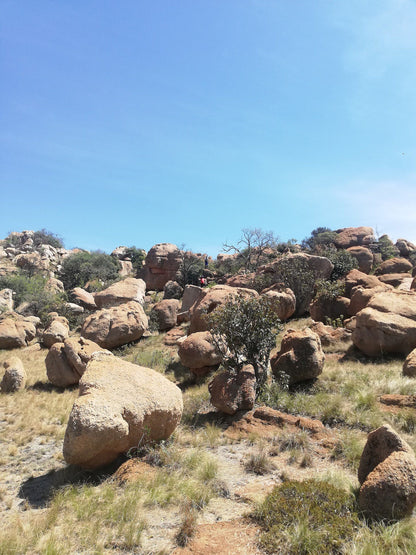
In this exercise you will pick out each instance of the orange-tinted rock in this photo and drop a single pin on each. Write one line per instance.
(161, 265)
(323, 309)
(354, 236)
(355, 277)
(394, 266)
(165, 314)
(364, 257)
(231, 392)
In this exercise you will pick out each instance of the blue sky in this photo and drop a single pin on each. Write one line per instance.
(185, 121)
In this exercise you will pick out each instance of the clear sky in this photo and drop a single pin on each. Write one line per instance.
(185, 121)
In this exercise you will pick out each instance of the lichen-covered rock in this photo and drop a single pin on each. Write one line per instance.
(14, 377)
(300, 357)
(120, 405)
(6, 300)
(231, 392)
(115, 326)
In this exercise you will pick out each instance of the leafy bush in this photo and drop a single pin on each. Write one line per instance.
(329, 290)
(306, 517)
(34, 290)
(136, 256)
(45, 237)
(191, 268)
(81, 267)
(296, 274)
(320, 237)
(386, 248)
(244, 332)
(342, 260)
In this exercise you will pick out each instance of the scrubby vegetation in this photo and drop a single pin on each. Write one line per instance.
(83, 267)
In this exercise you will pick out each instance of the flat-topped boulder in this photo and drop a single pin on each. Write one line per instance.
(120, 405)
(129, 289)
(364, 258)
(387, 324)
(394, 265)
(355, 278)
(354, 236)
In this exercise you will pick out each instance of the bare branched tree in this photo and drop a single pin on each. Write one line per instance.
(252, 246)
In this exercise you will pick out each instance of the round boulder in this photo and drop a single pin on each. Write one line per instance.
(165, 313)
(56, 332)
(14, 377)
(199, 353)
(231, 392)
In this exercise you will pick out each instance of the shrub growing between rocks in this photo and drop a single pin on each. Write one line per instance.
(81, 267)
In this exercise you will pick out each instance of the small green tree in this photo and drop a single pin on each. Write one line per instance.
(81, 267)
(137, 257)
(244, 331)
(45, 237)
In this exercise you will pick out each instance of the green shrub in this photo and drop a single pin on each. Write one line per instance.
(81, 267)
(386, 248)
(244, 331)
(329, 290)
(342, 260)
(296, 274)
(45, 237)
(306, 518)
(320, 237)
(34, 290)
(137, 257)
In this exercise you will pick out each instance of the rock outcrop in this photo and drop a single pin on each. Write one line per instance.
(354, 237)
(115, 326)
(364, 257)
(325, 308)
(16, 331)
(6, 300)
(300, 357)
(387, 474)
(83, 298)
(120, 405)
(161, 265)
(394, 266)
(165, 313)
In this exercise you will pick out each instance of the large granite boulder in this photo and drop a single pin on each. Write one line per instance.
(16, 331)
(387, 324)
(120, 406)
(364, 257)
(83, 298)
(354, 236)
(360, 297)
(66, 362)
(165, 313)
(231, 392)
(387, 474)
(129, 289)
(198, 353)
(191, 294)
(394, 266)
(300, 357)
(397, 280)
(14, 377)
(212, 298)
(115, 326)
(161, 265)
(172, 290)
(405, 247)
(283, 301)
(355, 278)
(329, 335)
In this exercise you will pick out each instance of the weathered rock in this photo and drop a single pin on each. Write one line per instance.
(212, 298)
(74, 308)
(129, 289)
(354, 236)
(133, 470)
(364, 257)
(409, 366)
(329, 335)
(115, 326)
(172, 290)
(283, 301)
(387, 474)
(191, 294)
(56, 332)
(394, 266)
(395, 280)
(14, 377)
(300, 357)
(16, 331)
(241, 280)
(121, 405)
(173, 336)
(355, 278)
(126, 268)
(165, 314)
(6, 300)
(55, 285)
(161, 265)
(83, 298)
(198, 353)
(387, 324)
(324, 308)
(405, 247)
(360, 297)
(232, 392)
(31, 262)
(299, 272)
(66, 362)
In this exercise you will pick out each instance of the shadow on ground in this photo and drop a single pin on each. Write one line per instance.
(37, 491)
